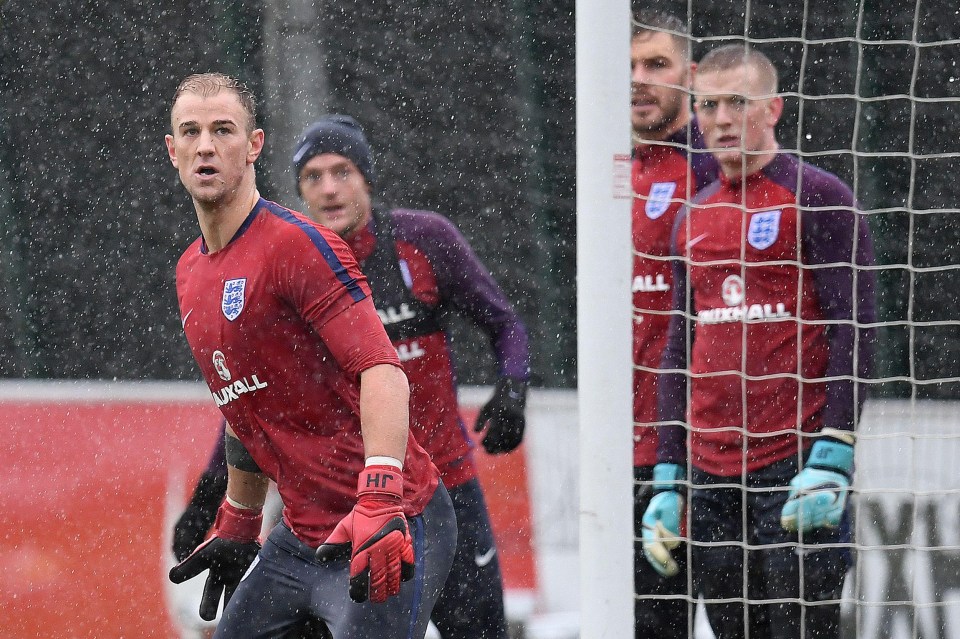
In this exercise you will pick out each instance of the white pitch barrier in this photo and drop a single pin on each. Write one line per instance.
(907, 506)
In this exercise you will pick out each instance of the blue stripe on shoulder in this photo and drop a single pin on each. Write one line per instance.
(320, 242)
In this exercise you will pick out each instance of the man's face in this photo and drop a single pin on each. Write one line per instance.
(210, 145)
(734, 120)
(336, 193)
(659, 75)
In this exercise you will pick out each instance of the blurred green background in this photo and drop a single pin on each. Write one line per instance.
(470, 109)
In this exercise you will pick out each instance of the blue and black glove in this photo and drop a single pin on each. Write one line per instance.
(818, 494)
(661, 521)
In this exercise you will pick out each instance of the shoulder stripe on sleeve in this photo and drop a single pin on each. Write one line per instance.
(320, 242)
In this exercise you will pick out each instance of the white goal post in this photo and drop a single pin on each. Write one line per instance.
(604, 318)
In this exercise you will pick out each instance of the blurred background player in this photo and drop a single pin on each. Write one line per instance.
(774, 298)
(280, 322)
(665, 175)
(419, 268)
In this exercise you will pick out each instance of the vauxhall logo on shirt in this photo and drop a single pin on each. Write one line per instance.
(650, 284)
(734, 294)
(410, 350)
(234, 390)
(392, 315)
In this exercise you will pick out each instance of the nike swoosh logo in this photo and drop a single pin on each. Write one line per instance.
(485, 558)
(697, 239)
(256, 560)
(183, 323)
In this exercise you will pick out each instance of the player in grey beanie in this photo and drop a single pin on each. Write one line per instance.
(338, 134)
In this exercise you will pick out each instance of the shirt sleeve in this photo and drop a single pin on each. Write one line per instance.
(357, 340)
(319, 274)
(672, 383)
(837, 243)
(324, 283)
(217, 464)
(465, 284)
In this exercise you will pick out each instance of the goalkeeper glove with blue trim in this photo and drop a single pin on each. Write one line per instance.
(818, 494)
(661, 521)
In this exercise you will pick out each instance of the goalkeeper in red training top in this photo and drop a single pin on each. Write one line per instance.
(665, 174)
(773, 293)
(419, 267)
(280, 321)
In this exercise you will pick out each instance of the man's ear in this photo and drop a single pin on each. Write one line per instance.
(690, 74)
(254, 145)
(168, 140)
(775, 109)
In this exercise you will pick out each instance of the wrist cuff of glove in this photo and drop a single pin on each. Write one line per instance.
(845, 436)
(830, 454)
(517, 384)
(384, 460)
(238, 524)
(380, 480)
(514, 387)
(667, 477)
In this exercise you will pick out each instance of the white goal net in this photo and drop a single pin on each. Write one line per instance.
(872, 94)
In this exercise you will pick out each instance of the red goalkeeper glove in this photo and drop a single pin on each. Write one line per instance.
(376, 535)
(227, 554)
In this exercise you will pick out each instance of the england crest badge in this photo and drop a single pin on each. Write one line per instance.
(764, 229)
(659, 199)
(233, 298)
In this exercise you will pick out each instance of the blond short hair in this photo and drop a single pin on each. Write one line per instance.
(733, 56)
(209, 84)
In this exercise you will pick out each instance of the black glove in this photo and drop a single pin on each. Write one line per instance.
(227, 555)
(227, 562)
(504, 412)
(200, 514)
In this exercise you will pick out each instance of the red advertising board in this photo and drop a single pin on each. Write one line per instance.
(90, 488)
